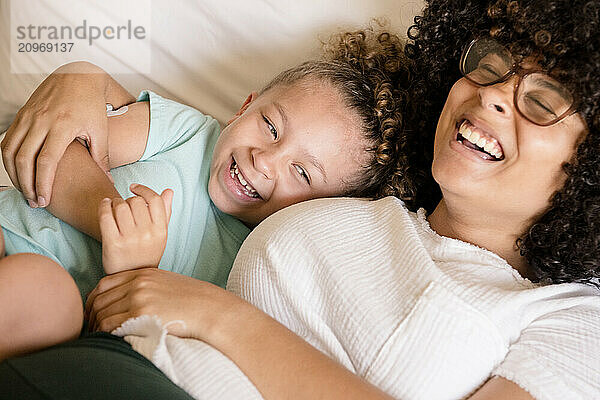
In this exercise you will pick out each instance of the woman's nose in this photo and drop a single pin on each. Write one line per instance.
(498, 98)
(263, 162)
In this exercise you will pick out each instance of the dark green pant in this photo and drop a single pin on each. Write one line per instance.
(99, 366)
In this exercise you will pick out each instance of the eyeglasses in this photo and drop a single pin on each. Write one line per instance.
(538, 97)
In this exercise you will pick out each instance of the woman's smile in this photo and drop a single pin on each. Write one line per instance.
(473, 144)
(479, 140)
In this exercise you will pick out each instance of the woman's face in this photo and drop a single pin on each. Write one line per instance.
(521, 166)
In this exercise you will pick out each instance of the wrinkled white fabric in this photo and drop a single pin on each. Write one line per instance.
(198, 368)
(419, 315)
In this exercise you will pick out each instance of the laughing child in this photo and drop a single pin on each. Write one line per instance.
(321, 129)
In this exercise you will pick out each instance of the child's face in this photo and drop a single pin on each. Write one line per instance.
(290, 144)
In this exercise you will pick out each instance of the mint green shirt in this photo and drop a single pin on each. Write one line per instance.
(202, 241)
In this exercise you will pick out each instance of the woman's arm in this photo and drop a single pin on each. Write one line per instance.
(80, 184)
(79, 187)
(499, 388)
(278, 362)
(69, 104)
(283, 365)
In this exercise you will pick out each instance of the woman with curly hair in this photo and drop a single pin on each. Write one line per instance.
(487, 292)
(561, 38)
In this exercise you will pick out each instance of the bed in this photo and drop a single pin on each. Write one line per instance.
(205, 53)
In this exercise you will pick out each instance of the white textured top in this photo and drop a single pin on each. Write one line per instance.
(419, 315)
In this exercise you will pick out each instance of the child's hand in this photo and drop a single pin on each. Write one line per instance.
(134, 231)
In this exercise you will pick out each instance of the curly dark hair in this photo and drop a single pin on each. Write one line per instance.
(563, 245)
(371, 72)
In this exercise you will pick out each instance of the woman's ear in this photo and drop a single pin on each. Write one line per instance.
(251, 97)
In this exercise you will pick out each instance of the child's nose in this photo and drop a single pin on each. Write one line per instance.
(263, 162)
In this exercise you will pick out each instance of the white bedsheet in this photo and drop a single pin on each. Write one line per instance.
(211, 53)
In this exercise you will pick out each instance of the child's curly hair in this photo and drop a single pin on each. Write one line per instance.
(371, 73)
(563, 245)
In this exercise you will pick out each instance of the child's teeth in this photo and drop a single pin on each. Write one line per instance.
(489, 146)
(466, 134)
(235, 172)
(474, 137)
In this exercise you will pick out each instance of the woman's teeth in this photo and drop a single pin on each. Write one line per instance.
(480, 139)
(235, 174)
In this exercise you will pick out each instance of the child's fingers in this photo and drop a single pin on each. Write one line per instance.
(139, 210)
(167, 197)
(123, 215)
(108, 226)
(155, 202)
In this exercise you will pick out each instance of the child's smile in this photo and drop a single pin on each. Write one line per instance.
(239, 185)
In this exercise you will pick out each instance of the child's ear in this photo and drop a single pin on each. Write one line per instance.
(251, 97)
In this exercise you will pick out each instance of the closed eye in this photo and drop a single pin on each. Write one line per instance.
(271, 127)
(302, 173)
(540, 105)
(490, 69)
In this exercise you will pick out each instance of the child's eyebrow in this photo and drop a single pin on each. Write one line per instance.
(314, 161)
(282, 113)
